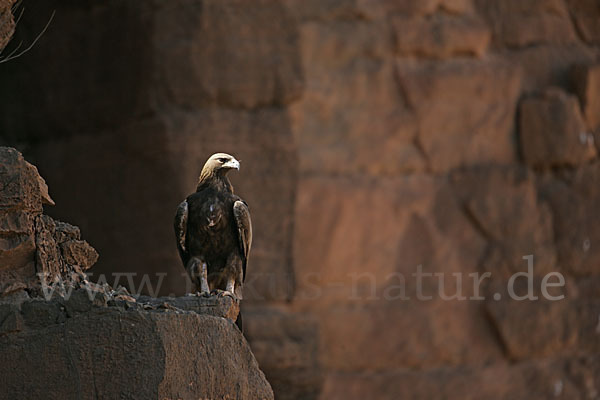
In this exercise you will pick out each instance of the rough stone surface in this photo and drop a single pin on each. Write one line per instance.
(547, 66)
(331, 117)
(33, 247)
(447, 90)
(585, 15)
(7, 22)
(441, 36)
(522, 23)
(553, 131)
(426, 326)
(577, 236)
(22, 187)
(162, 353)
(587, 85)
(225, 306)
(570, 325)
(541, 380)
(287, 345)
(404, 219)
(502, 203)
(226, 33)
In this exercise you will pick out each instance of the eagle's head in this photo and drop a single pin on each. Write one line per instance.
(221, 163)
(217, 166)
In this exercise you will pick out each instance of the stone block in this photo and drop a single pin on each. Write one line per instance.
(23, 189)
(401, 224)
(286, 345)
(562, 327)
(160, 354)
(210, 53)
(502, 204)
(413, 334)
(552, 131)
(352, 119)
(585, 15)
(441, 36)
(556, 378)
(442, 95)
(586, 79)
(573, 198)
(522, 23)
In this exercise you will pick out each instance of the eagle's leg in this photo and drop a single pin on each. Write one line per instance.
(198, 272)
(232, 272)
(230, 287)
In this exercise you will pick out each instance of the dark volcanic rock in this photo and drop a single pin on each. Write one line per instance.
(225, 306)
(135, 354)
(182, 348)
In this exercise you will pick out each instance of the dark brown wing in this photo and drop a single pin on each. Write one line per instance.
(244, 225)
(180, 226)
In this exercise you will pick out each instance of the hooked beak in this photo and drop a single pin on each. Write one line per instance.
(232, 164)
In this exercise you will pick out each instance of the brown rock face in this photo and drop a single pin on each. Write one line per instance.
(473, 105)
(587, 84)
(22, 187)
(553, 131)
(7, 22)
(503, 205)
(570, 325)
(441, 36)
(166, 354)
(33, 246)
(287, 346)
(330, 120)
(538, 380)
(226, 32)
(519, 23)
(585, 13)
(577, 235)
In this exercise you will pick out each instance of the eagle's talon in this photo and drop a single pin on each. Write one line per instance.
(226, 293)
(222, 293)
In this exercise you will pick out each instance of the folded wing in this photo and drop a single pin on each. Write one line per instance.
(180, 226)
(244, 225)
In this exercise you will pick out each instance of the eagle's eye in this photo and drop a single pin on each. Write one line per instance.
(223, 160)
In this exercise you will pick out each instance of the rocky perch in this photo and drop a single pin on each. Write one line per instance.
(64, 337)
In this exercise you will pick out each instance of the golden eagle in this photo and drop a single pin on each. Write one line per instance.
(214, 230)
